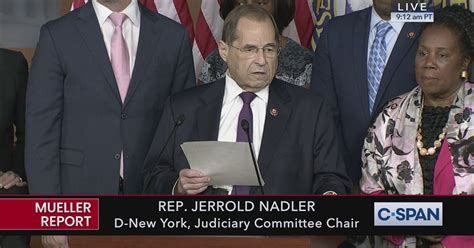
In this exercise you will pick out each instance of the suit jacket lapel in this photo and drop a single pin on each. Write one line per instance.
(275, 125)
(360, 43)
(149, 37)
(90, 31)
(208, 114)
(406, 39)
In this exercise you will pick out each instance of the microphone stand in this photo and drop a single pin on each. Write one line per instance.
(178, 121)
(245, 126)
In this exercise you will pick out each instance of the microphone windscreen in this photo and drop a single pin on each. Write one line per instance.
(244, 124)
(180, 120)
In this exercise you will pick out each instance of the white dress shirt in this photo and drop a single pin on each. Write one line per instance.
(231, 106)
(229, 118)
(130, 32)
(130, 27)
(390, 38)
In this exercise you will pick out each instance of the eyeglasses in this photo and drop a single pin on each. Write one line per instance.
(269, 51)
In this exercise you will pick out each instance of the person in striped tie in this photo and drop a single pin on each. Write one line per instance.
(363, 60)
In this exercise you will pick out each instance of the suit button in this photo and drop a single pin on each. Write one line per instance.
(117, 156)
(123, 116)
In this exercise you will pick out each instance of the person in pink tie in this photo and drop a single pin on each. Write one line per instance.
(423, 141)
(99, 79)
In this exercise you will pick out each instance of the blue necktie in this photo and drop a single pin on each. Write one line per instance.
(245, 113)
(376, 64)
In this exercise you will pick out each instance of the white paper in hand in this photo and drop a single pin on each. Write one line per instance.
(227, 163)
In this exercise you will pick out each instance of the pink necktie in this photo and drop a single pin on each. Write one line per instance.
(120, 61)
(119, 55)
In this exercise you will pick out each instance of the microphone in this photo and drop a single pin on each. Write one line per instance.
(178, 122)
(245, 126)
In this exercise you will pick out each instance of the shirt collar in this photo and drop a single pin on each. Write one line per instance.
(233, 90)
(132, 11)
(375, 18)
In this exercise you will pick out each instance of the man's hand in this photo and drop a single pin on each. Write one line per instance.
(191, 182)
(54, 241)
(9, 179)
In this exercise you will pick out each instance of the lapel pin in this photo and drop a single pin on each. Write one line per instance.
(274, 112)
(411, 35)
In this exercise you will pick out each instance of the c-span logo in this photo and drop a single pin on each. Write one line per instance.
(408, 213)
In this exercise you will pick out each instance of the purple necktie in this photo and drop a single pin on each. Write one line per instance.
(245, 114)
(120, 61)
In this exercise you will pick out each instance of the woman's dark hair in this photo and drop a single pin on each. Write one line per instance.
(283, 11)
(461, 22)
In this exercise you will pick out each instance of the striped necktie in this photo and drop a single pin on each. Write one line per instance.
(376, 64)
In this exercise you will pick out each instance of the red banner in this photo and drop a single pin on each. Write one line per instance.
(49, 214)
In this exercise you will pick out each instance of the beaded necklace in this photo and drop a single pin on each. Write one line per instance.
(429, 151)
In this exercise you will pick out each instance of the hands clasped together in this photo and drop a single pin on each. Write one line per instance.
(9, 179)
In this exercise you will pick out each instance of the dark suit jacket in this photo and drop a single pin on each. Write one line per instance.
(13, 78)
(298, 154)
(76, 123)
(340, 74)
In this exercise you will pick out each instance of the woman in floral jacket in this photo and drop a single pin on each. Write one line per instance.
(423, 141)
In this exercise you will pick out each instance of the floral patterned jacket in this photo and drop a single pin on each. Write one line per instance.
(390, 157)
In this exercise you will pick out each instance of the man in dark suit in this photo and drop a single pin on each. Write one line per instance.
(349, 70)
(291, 128)
(99, 80)
(13, 77)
